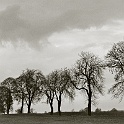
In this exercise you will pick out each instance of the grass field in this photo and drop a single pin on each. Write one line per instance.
(64, 119)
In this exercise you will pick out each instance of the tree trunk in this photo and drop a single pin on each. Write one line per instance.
(89, 105)
(51, 106)
(89, 99)
(59, 107)
(21, 111)
(29, 107)
(8, 107)
(7, 110)
(8, 102)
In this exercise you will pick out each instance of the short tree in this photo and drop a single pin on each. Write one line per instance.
(9, 86)
(2, 107)
(6, 99)
(16, 88)
(18, 111)
(85, 109)
(98, 110)
(88, 76)
(114, 110)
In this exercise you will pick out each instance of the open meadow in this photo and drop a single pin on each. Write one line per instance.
(64, 119)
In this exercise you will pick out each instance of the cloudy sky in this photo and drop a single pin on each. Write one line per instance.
(49, 34)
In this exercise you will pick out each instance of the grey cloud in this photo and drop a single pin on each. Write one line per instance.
(10, 23)
(33, 21)
(13, 27)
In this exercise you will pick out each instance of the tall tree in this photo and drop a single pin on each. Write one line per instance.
(50, 90)
(6, 99)
(88, 76)
(16, 88)
(63, 86)
(2, 107)
(9, 86)
(19, 94)
(33, 85)
(115, 62)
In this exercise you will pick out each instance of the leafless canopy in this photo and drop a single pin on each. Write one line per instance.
(89, 69)
(31, 86)
(115, 62)
(88, 76)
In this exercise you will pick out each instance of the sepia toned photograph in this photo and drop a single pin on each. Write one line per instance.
(61, 61)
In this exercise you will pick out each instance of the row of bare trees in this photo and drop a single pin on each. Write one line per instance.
(32, 85)
(86, 75)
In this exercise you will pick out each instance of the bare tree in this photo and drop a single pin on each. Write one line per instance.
(115, 62)
(16, 86)
(6, 99)
(50, 90)
(33, 85)
(20, 92)
(63, 86)
(8, 86)
(88, 76)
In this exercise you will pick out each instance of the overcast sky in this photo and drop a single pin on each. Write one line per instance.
(49, 34)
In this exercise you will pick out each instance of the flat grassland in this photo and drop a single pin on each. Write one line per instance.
(64, 119)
